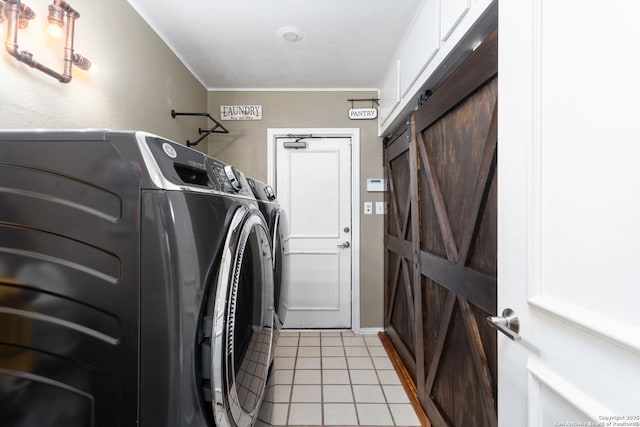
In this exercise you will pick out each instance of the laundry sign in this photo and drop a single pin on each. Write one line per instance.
(363, 113)
(241, 112)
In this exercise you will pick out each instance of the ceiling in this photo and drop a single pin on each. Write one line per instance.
(237, 44)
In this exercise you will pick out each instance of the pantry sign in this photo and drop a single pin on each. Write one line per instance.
(363, 113)
(241, 112)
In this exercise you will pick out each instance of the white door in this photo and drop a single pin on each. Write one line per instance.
(313, 183)
(569, 212)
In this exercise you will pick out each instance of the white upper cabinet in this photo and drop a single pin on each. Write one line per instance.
(451, 14)
(390, 89)
(442, 34)
(420, 45)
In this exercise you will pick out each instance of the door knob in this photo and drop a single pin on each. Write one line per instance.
(508, 324)
(344, 245)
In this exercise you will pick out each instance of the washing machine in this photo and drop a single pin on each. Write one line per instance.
(136, 284)
(276, 219)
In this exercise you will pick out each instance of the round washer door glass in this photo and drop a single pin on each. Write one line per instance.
(244, 321)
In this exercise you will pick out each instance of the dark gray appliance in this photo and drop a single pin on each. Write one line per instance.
(136, 284)
(276, 218)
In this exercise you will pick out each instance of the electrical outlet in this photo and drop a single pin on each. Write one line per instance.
(381, 208)
(368, 208)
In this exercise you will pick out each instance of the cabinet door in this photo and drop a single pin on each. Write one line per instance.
(421, 45)
(390, 91)
(452, 13)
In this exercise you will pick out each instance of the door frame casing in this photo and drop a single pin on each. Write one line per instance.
(354, 134)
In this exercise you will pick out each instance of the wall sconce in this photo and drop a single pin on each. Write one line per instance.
(18, 16)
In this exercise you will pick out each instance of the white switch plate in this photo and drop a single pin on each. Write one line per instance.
(368, 208)
(381, 208)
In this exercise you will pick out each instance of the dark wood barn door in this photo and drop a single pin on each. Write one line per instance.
(400, 316)
(441, 245)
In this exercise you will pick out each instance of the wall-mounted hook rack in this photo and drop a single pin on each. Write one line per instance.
(216, 128)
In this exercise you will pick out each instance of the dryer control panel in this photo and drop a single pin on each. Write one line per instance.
(185, 168)
(178, 164)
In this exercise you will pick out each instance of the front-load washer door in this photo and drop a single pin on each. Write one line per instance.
(243, 322)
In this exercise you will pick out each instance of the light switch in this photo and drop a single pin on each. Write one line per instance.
(368, 208)
(381, 208)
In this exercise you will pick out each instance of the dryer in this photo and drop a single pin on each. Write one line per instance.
(276, 218)
(136, 284)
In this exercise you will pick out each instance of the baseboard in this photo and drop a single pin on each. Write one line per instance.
(369, 331)
(405, 379)
(361, 331)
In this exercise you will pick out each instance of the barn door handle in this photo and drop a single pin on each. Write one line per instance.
(508, 324)
(344, 245)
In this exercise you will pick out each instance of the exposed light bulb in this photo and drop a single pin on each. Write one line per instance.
(56, 22)
(54, 30)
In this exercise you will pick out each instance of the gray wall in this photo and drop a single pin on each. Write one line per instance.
(139, 79)
(245, 146)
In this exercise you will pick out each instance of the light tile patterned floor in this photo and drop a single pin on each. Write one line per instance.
(334, 379)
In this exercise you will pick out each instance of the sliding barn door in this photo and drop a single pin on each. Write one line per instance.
(442, 228)
(400, 316)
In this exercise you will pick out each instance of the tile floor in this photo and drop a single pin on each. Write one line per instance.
(334, 378)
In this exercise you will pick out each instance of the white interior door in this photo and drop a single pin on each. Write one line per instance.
(569, 213)
(313, 183)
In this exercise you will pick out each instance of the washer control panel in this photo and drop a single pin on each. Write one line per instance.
(268, 190)
(228, 178)
(233, 179)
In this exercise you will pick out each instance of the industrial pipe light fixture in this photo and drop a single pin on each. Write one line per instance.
(18, 16)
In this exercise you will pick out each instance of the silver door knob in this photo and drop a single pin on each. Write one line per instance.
(344, 245)
(508, 324)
